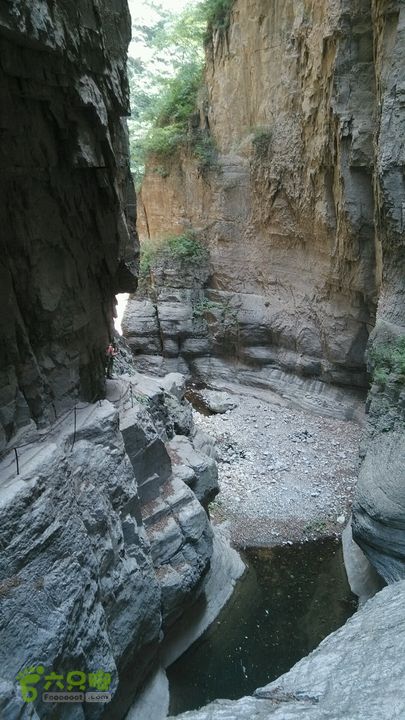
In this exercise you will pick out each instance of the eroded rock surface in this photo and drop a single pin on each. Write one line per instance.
(103, 546)
(379, 508)
(67, 201)
(289, 210)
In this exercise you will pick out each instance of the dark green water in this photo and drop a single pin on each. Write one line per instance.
(288, 601)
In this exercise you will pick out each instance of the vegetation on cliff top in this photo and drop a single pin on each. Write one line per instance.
(165, 89)
(388, 362)
(181, 247)
(218, 14)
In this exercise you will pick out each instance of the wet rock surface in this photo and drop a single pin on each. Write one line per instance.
(355, 673)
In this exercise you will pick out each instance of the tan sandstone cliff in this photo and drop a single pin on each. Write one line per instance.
(304, 218)
(288, 213)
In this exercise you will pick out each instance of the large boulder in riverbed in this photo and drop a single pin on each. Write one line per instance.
(218, 401)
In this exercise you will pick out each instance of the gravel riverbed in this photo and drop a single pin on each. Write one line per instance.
(286, 475)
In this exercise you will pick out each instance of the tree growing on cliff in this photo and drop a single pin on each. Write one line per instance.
(163, 78)
(164, 90)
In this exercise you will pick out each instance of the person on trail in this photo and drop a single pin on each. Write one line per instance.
(111, 353)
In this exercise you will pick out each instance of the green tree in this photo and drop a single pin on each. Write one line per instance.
(164, 88)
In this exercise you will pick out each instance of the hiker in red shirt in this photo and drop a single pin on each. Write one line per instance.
(111, 353)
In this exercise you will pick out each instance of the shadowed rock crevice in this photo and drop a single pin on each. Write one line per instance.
(68, 206)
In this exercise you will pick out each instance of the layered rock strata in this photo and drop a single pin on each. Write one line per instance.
(303, 218)
(289, 211)
(379, 509)
(104, 547)
(67, 207)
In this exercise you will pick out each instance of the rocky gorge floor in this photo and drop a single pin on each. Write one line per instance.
(286, 475)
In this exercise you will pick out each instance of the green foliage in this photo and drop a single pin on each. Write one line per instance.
(161, 170)
(185, 246)
(388, 362)
(183, 33)
(204, 149)
(261, 141)
(217, 13)
(148, 254)
(179, 96)
(171, 129)
(206, 306)
(225, 314)
(380, 377)
(165, 88)
(163, 141)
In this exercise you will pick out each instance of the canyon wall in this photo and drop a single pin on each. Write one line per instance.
(104, 543)
(379, 509)
(67, 207)
(302, 215)
(104, 546)
(288, 210)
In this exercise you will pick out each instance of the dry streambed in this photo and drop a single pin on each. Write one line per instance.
(286, 475)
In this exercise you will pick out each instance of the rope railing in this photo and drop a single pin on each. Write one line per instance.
(72, 411)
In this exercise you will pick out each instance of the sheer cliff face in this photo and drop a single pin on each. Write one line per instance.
(289, 213)
(304, 217)
(67, 210)
(379, 510)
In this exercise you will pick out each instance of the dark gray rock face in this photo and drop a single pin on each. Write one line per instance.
(77, 578)
(103, 549)
(166, 317)
(379, 512)
(379, 507)
(203, 479)
(67, 208)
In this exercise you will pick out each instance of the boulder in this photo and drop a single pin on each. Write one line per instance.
(218, 401)
(205, 485)
(174, 384)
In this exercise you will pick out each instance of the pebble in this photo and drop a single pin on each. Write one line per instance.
(318, 482)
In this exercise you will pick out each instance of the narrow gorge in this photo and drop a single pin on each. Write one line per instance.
(196, 485)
